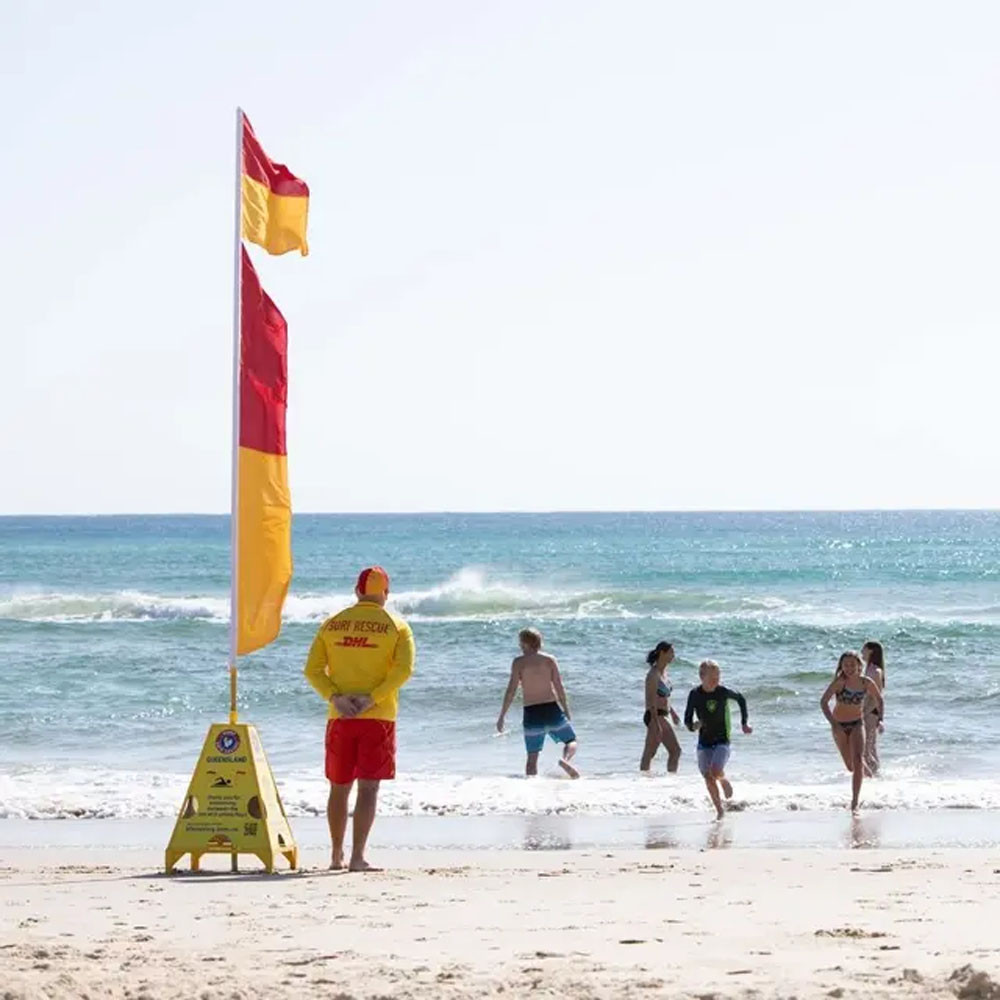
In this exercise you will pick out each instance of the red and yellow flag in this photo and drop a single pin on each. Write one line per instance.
(275, 201)
(264, 526)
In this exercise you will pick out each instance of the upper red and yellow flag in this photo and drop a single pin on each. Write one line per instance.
(275, 201)
(264, 525)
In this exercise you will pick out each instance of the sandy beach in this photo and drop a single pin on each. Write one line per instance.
(100, 923)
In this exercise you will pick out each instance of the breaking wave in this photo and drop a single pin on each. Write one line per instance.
(123, 605)
(472, 595)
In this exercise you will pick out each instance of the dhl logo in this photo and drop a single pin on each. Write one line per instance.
(357, 642)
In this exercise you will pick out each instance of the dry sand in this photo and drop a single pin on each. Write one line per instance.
(96, 924)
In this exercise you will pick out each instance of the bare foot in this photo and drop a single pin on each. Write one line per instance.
(569, 768)
(727, 788)
(337, 861)
(719, 814)
(361, 865)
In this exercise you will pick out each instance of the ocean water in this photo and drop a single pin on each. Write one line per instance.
(113, 638)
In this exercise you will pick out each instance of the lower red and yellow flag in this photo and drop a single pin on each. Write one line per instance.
(264, 551)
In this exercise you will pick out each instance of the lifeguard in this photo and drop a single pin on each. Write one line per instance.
(358, 661)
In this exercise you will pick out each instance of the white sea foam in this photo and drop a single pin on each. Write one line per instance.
(122, 605)
(40, 793)
(473, 595)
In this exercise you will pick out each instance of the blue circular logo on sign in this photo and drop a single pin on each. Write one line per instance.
(228, 741)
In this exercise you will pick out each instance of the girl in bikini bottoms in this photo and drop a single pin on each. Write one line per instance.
(874, 656)
(658, 691)
(850, 688)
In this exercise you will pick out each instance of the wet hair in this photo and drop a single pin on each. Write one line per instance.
(531, 637)
(654, 654)
(846, 656)
(877, 655)
(705, 666)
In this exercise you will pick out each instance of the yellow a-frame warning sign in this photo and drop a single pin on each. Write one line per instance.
(232, 804)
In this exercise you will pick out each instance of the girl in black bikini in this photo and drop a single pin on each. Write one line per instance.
(658, 692)
(846, 719)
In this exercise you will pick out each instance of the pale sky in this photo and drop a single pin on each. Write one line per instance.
(565, 255)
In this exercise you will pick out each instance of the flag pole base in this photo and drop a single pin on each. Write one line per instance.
(233, 712)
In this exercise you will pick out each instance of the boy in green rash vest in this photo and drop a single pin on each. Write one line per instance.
(709, 704)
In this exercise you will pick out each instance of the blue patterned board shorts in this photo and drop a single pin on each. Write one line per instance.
(712, 758)
(545, 720)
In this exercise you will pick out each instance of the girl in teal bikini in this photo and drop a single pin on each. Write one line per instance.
(658, 691)
(850, 688)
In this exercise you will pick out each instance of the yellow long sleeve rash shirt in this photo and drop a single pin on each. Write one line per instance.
(362, 650)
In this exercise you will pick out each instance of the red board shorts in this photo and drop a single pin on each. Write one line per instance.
(362, 749)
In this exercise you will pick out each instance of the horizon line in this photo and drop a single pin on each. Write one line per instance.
(529, 512)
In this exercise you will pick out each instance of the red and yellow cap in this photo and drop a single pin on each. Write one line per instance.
(373, 582)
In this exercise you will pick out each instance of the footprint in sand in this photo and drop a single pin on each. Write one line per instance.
(850, 932)
(974, 984)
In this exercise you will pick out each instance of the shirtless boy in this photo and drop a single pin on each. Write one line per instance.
(545, 708)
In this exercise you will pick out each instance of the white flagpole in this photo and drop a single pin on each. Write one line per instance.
(235, 497)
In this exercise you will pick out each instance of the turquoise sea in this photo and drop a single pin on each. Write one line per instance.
(113, 638)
